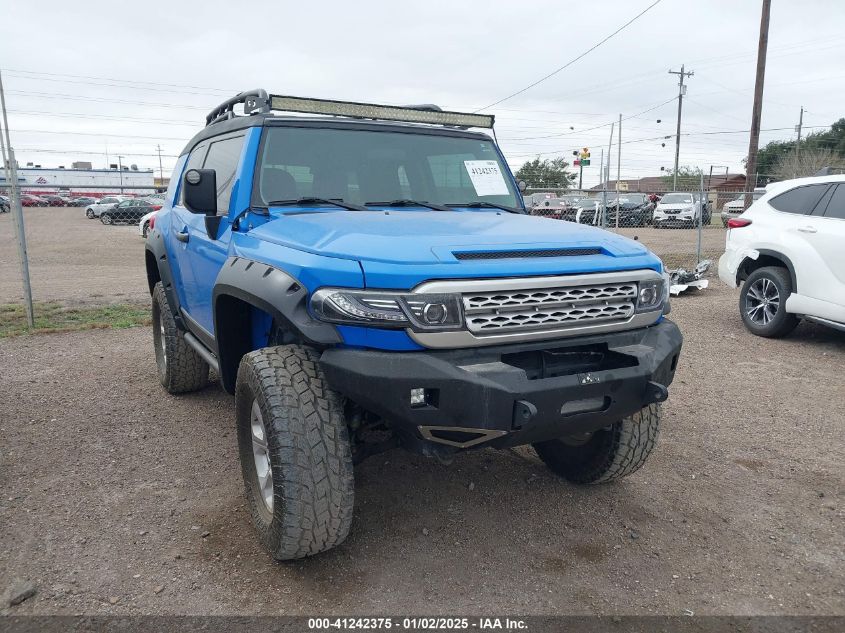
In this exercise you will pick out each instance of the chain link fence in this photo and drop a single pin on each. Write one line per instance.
(84, 255)
(682, 227)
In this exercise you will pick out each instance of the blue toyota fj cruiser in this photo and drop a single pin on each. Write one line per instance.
(364, 276)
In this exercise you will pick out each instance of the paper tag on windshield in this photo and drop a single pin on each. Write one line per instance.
(486, 177)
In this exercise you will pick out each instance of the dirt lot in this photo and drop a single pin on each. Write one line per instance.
(118, 498)
(73, 259)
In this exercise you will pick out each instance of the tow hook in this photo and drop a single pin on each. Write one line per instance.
(655, 392)
(523, 412)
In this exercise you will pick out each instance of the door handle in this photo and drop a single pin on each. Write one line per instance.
(808, 229)
(183, 236)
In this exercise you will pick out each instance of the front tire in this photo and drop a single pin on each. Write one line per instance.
(295, 452)
(762, 302)
(180, 367)
(606, 454)
(105, 218)
(89, 213)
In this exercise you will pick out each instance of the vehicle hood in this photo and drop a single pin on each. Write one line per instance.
(435, 237)
(628, 206)
(682, 206)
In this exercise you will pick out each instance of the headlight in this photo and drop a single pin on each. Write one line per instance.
(652, 294)
(420, 312)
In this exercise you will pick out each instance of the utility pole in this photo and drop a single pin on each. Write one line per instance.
(618, 167)
(17, 210)
(160, 169)
(601, 168)
(798, 142)
(120, 170)
(604, 191)
(756, 110)
(681, 90)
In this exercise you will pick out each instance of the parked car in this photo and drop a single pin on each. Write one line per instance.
(127, 211)
(94, 209)
(734, 208)
(83, 201)
(52, 200)
(146, 222)
(680, 209)
(536, 199)
(554, 208)
(634, 209)
(28, 200)
(5, 204)
(346, 321)
(788, 253)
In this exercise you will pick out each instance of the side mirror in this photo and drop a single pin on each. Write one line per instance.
(522, 185)
(201, 191)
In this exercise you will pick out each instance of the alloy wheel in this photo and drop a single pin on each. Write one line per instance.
(762, 301)
(261, 456)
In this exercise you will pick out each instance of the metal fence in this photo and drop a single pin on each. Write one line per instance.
(682, 227)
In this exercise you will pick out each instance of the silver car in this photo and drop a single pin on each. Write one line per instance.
(106, 202)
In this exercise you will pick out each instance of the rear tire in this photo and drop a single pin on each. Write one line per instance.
(180, 368)
(295, 452)
(762, 302)
(606, 454)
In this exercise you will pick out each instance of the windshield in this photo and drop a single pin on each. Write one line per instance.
(363, 166)
(676, 198)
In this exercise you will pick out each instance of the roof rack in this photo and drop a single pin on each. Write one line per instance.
(253, 100)
(257, 101)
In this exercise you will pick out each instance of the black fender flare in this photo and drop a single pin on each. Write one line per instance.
(156, 254)
(275, 292)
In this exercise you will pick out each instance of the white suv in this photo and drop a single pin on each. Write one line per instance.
(106, 202)
(788, 252)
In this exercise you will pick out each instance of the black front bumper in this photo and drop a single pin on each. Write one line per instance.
(512, 394)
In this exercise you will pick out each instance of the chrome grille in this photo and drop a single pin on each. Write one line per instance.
(549, 308)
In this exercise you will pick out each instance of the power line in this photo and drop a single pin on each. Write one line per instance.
(572, 61)
(577, 132)
(107, 134)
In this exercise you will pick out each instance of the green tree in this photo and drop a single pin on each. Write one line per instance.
(689, 178)
(773, 155)
(550, 173)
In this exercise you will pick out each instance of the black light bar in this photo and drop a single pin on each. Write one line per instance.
(420, 114)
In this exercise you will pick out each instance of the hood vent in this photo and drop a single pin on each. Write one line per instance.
(556, 252)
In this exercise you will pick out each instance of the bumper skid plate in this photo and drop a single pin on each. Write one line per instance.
(511, 394)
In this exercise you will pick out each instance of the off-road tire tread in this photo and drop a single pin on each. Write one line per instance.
(626, 449)
(310, 451)
(186, 369)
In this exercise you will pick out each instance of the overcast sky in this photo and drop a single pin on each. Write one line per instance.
(87, 78)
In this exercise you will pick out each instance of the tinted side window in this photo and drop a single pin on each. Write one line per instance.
(800, 200)
(223, 157)
(836, 206)
(195, 161)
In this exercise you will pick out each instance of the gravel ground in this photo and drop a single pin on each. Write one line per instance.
(118, 498)
(73, 259)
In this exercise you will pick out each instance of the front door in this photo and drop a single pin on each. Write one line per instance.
(208, 254)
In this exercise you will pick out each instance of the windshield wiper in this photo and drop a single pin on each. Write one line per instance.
(404, 202)
(335, 202)
(484, 205)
